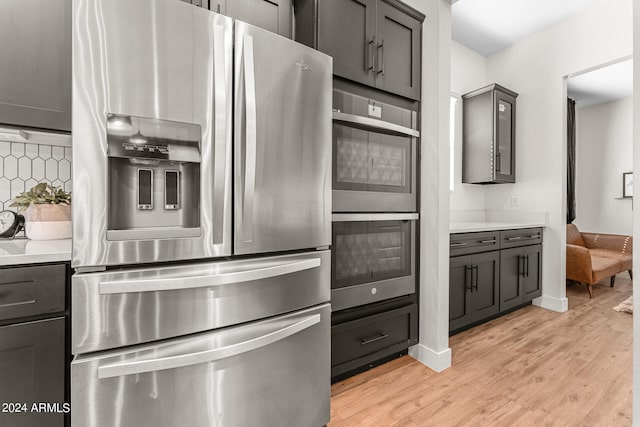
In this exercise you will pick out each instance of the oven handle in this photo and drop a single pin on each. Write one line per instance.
(207, 356)
(207, 281)
(374, 124)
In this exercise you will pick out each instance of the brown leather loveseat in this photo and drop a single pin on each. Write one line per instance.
(592, 257)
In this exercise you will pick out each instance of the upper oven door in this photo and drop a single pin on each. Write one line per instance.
(152, 82)
(374, 156)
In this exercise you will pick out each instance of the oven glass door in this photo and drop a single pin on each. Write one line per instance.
(372, 171)
(372, 261)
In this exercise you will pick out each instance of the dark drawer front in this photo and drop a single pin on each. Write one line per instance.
(521, 237)
(469, 243)
(368, 335)
(29, 291)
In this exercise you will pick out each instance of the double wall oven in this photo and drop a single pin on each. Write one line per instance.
(202, 220)
(374, 200)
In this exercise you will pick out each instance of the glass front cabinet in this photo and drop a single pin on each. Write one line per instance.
(489, 136)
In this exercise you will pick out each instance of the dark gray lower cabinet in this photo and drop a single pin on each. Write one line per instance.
(473, 288)
(32, 368)
(491, 273)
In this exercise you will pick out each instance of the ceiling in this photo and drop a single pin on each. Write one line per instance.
(602, 85)
(489, 26)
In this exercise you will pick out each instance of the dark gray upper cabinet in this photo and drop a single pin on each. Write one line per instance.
(347, 33)
(272, 15)
(373, 42)
(35, 65)
(489, 136)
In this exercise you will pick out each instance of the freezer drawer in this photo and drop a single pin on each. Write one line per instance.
(270, 373)
(119, 308)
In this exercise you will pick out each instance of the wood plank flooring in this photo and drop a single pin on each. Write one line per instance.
(533, 367)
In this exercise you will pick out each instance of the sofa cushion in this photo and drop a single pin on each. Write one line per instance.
(603, 267)
(573, 236)
(624, 259)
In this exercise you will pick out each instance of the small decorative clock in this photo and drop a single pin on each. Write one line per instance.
(11, 223)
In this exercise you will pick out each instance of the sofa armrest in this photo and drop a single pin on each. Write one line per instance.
(579, 264)
(612, 242)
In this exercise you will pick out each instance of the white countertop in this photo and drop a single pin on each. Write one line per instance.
(25, 251)
(469, 227)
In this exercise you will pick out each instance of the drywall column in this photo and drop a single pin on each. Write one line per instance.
(433, 348)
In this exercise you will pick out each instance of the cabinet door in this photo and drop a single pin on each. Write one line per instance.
(532, 280)
(32, 368)
(511, 269)
(398, 52)
(35, 65)
(485, 285)
(459, 286)
(272, 15)
(346, 30)
(504, 129)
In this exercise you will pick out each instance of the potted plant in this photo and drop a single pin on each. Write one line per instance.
(47, 211)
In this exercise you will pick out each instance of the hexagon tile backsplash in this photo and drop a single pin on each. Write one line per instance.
(23, 165)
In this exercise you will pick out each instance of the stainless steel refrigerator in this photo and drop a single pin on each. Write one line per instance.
(202, 209)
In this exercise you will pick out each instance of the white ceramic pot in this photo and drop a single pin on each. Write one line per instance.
(48, 222)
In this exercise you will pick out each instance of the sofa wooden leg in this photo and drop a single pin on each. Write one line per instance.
(590, 289)
(613, 281)
(631, 274)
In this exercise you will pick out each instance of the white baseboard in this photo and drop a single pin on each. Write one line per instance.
(438, 361)
(551, 303)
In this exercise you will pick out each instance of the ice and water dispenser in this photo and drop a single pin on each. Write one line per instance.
(154, 178)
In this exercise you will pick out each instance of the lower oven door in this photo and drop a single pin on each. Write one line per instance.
(274, 372)
(373, 258)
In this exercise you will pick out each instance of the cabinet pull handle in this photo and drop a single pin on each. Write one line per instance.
(381, 57)
(374, 339)
(497, 162)
(467, 278)
(484, 242)
(368, 66)
(474, 281)
(520, 265)
(457, 245)
(535, 236)
(526, 269)
(514, 238)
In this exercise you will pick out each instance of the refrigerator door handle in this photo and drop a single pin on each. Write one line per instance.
(207, 281)
(251, 139)
(222, 135)
(135, 367)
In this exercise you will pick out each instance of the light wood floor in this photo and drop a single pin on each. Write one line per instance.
(532, 367)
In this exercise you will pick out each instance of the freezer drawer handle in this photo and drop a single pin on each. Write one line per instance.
(173, 283)
(207, 356)
(374, 339)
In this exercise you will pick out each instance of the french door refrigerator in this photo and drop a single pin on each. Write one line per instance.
(202, 209)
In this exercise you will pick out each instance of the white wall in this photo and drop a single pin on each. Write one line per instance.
(636, 213)
(536, 68)
(468, 72)
(604, 150)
